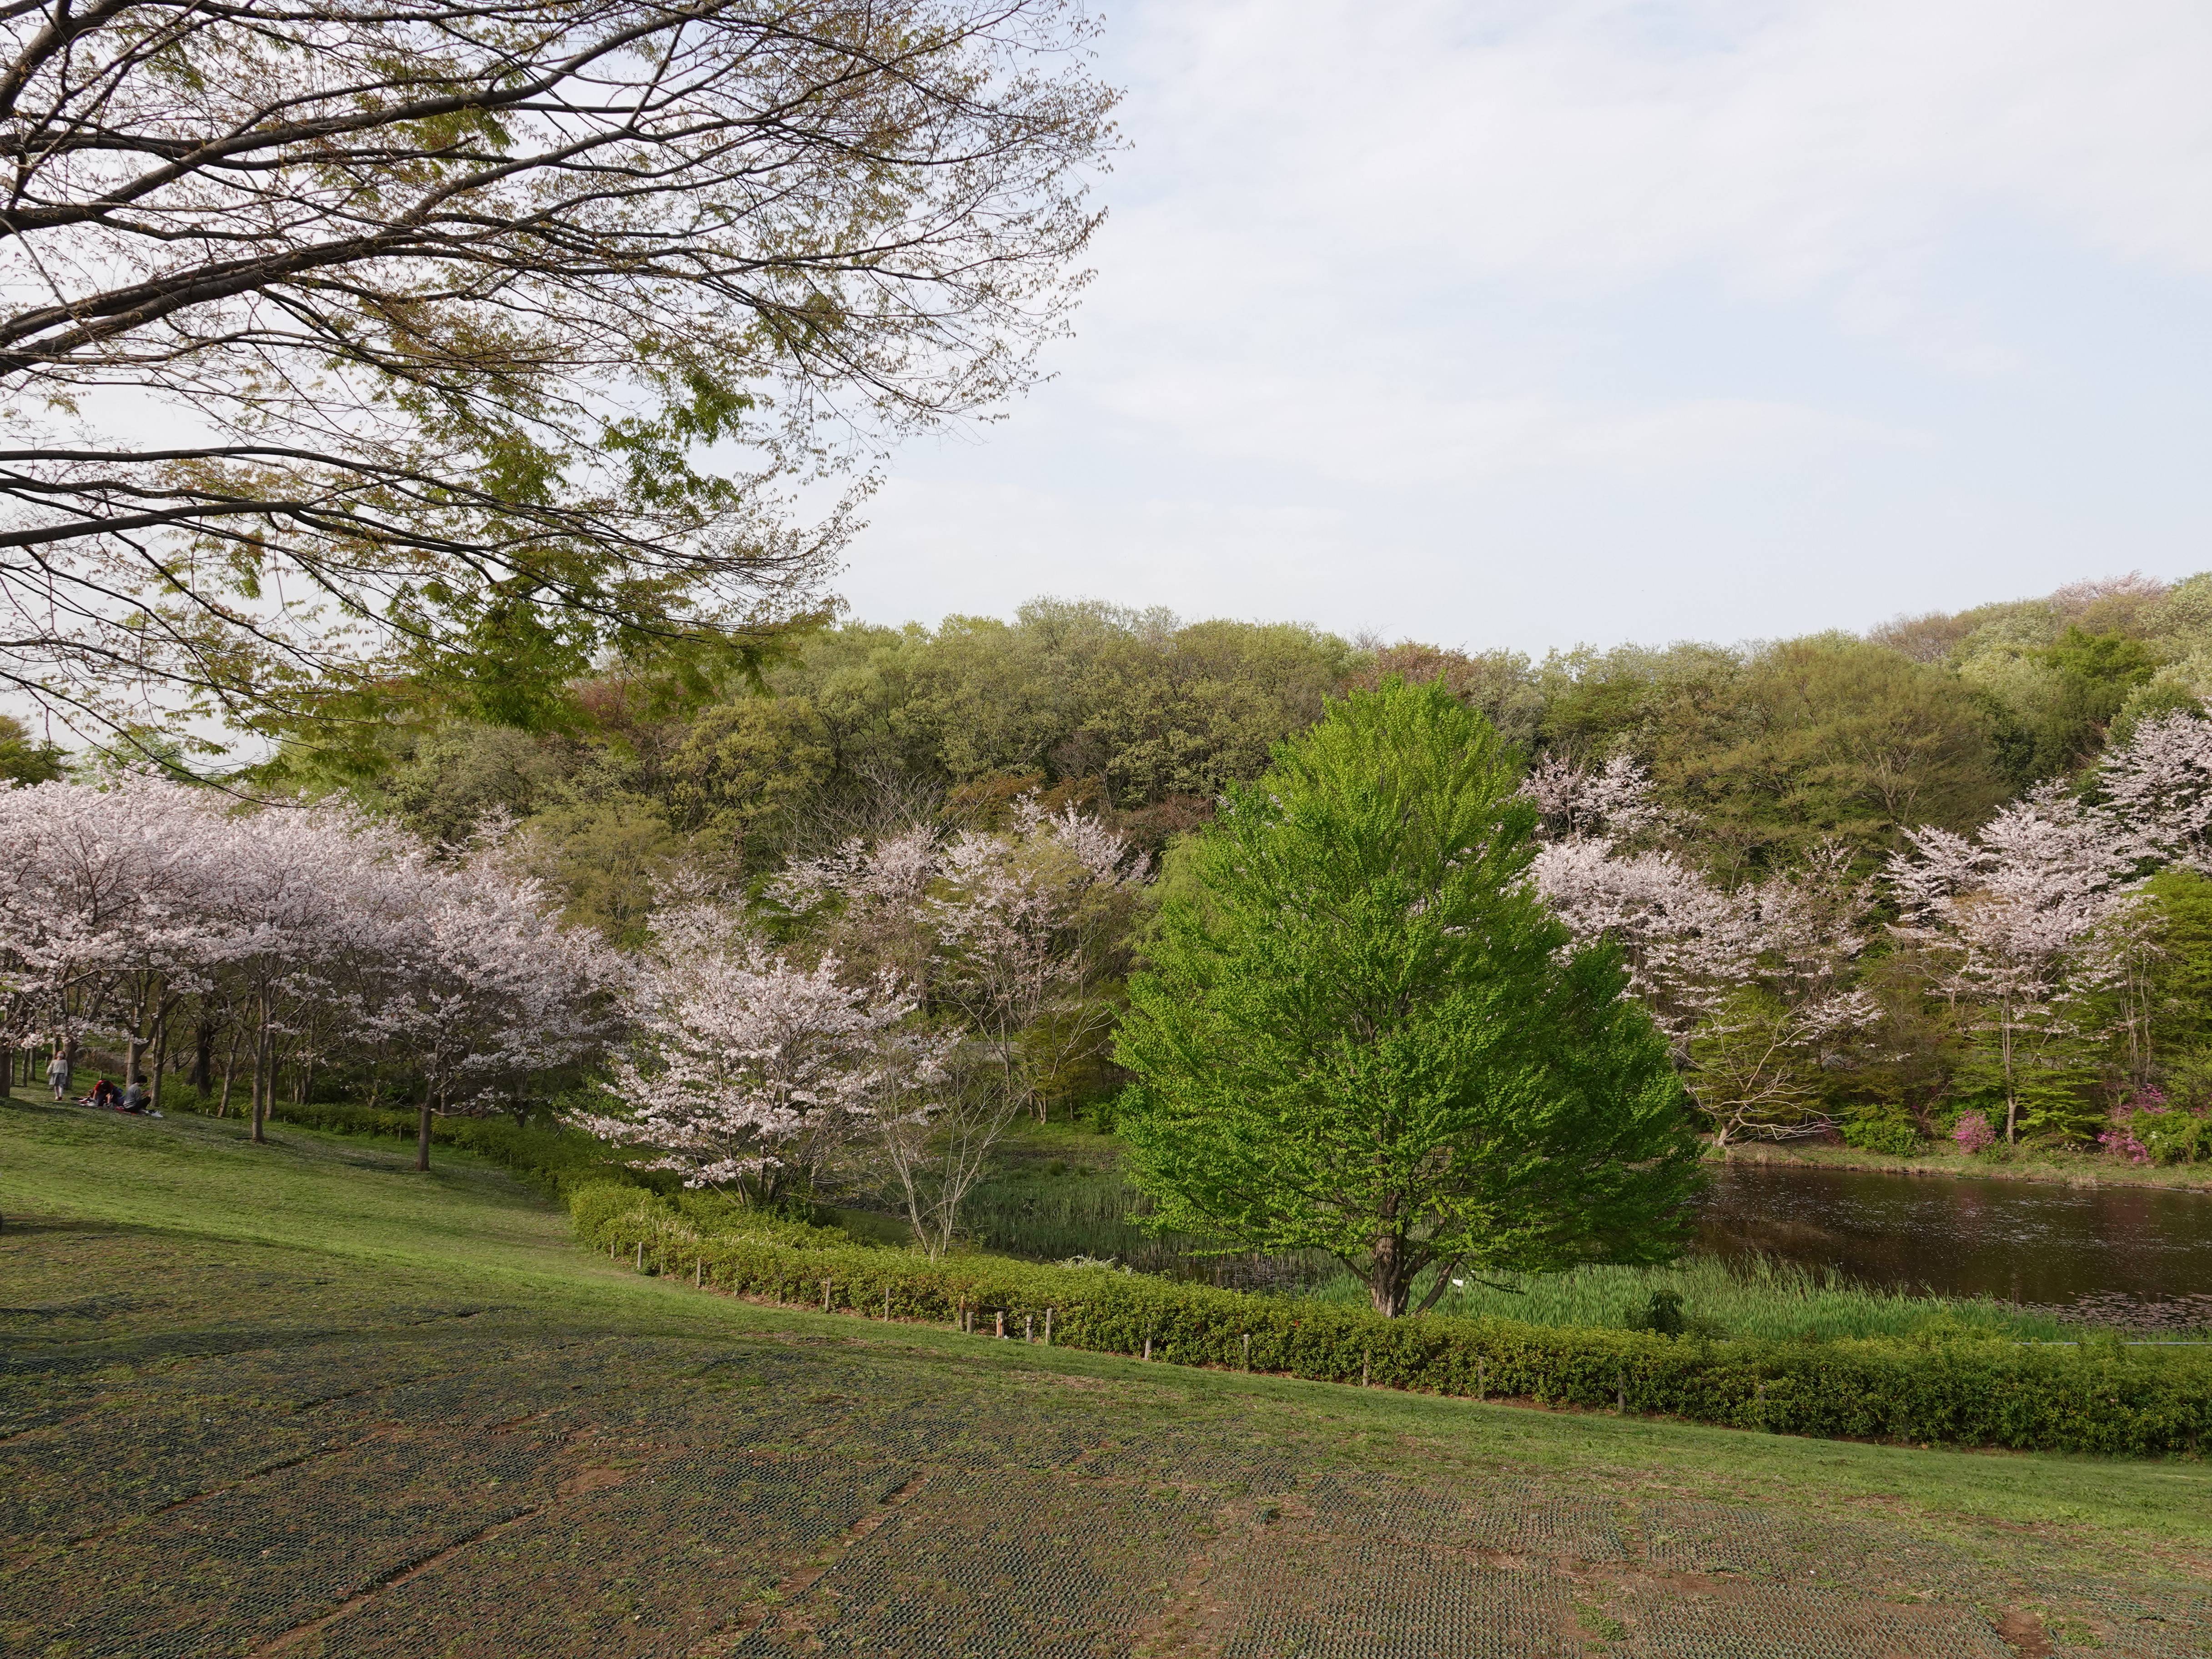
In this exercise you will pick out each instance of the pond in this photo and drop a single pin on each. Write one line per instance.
(2018, 1241)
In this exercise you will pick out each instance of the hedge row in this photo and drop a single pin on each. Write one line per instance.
(2139, 1403)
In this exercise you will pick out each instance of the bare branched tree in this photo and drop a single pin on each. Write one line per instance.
(355, 348)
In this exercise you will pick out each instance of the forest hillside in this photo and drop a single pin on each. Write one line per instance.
(1771, 749)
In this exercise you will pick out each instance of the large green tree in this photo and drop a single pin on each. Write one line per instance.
(1361, 1031)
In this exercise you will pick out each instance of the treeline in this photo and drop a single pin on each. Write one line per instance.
(1755, 891)
(1771, 750)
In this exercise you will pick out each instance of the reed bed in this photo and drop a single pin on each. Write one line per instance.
(1056, 1212)
(1757, 1297)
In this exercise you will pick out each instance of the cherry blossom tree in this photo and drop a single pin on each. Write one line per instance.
(1749, 985)
(2027, 919)
(317, 932)
(476, 987)
(1685, 942)
(101, 922)
(2159, 785)
(1017, 934)
(1011, 941)
(749, 1074)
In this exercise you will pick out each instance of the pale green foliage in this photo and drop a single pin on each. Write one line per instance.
(1360, 1031)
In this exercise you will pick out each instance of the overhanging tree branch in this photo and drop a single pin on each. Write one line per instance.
(494, 332)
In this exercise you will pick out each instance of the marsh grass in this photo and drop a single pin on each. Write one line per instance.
(1052, 1210)
(1049, 1209)
(1755, 1298)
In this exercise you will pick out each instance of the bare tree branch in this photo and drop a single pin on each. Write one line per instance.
(478, 339)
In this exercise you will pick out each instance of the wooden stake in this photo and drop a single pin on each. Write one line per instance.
(1029, 1328)
(641, 1256)
(825, 1296)
(1481, 1381)
(1048, 1327)
(698, 1271)
(1248, 1351)
(1148, 1345)
(1002, 1324)
(887, 1302)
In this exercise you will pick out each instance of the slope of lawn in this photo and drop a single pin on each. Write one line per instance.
(297, 1398)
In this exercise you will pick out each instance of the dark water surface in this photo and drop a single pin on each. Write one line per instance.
(2018, 1241)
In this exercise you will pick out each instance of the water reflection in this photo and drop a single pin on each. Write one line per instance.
(2019, 1241)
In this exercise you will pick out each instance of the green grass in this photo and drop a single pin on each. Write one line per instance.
(2061, 1166)
(472, 1228)
(1059, 1197)
(372, 1337)
(1765, 1299)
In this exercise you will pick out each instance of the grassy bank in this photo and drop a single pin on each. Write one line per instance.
(297, 1398)
(2067, 1168)
(1056, 1195)
(1775, 1300)
(316, 1225)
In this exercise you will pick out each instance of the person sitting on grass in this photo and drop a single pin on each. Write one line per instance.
(104, 1097)
(135, 1098)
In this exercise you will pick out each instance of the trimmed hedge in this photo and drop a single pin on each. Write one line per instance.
(1973, 1392)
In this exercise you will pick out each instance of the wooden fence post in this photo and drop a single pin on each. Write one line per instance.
(1481, 1379)
(887, 1302)
(1048, 1327)
(1002, 1324)
(1248, 1351)
(698, 1271)
(1029, 1328)
(641, 1256)
(825, 1296)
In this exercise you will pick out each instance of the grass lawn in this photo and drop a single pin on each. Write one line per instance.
(2071, 1168)
(300, 1399)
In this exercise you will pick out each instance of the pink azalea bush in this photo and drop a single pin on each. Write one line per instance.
(1973, 1132)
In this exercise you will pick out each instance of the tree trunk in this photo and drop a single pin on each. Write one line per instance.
(203, 1056)
(264, 1067)
(229, 1071)
(2012, 1095)
(1390, 1276)
(422, 1131)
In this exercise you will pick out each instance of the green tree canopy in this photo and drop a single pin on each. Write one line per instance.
(1360, 1030)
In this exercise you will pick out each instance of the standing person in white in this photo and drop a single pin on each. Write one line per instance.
(58, 1073)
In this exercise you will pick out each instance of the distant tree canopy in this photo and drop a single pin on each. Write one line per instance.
(1770, 750)
(23, 759)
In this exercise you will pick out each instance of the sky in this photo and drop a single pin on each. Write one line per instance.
(1533, 325)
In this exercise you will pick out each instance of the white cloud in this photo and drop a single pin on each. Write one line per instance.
(1790, 146)
(1385, 435)
(1537, 320)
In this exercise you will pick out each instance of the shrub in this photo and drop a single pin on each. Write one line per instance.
(1956, 1391)
(1973, 1133)
(1893, 1136)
